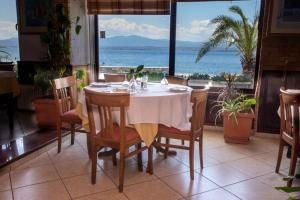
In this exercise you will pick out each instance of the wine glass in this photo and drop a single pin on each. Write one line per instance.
(125, 83)
(144, 81)
(164, 80)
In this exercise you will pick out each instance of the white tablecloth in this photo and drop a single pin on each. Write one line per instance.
(155, 105)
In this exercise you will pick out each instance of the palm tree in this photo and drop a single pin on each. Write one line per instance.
(239, 33)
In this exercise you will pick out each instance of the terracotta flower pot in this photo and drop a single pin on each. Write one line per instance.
(46, 115)
(239, 132)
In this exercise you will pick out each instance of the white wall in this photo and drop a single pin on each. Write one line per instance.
(80, 51)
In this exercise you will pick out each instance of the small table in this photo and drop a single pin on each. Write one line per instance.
(148, 108)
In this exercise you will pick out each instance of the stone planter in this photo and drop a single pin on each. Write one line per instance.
(239, 132)
(46, 112)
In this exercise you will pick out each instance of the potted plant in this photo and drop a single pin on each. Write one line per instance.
(57, 42)
(237, 118)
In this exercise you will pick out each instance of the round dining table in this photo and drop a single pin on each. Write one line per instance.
(169, 105)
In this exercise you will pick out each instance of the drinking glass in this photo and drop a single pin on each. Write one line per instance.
(133, 84)
(164, 80)
(125, 82)
(144, 81)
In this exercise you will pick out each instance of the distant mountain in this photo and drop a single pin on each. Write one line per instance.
(11, 46)
(138, 41)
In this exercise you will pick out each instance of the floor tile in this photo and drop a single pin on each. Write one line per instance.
(69, 153)
(182, 184)
(24, 160)
(44, 191)
(276, 180)
(150, 190)
(40, 160)
(109, 195)
(132, 175)
(224, 154)
(223, 174)
(251, 149)
(270, 158)
(74, 167)
(168, 167)
(79, 186)
(106, 162)
(4, 182)
(184, 157)
(216, 194)
(215, 142)
(253, 189)
(29, 176)
(6, 195)
(251, 167)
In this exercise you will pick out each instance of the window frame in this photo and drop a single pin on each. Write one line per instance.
(172, 40)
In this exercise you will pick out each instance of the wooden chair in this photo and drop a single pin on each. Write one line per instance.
(289, 128)
(114, 77)
(119, 138)
(179, 81)
(176, 80)
(199, 99)
(64, 91)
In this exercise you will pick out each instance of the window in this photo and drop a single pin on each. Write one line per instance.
(127, 41)
(194, 29)
(9, 44)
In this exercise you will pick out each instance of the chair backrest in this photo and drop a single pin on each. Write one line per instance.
(114, 77)
(289, 115)
(176, 80)
(199, 99)
(64, 91)
(105, 103)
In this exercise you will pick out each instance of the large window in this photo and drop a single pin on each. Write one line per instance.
(127, 41)
(194, 30)
(9, 45)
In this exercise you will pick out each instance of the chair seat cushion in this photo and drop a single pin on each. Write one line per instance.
(130, 134)
(71, 117)
(171, 130)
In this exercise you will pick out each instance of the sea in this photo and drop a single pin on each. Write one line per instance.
(213, 63)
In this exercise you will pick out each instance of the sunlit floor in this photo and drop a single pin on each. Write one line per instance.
(230, 172)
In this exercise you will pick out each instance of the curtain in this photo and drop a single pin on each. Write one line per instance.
(129, 7)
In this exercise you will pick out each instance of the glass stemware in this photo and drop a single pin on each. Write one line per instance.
(164, 80)
(133, 84)
(125, 83)
(144, 81)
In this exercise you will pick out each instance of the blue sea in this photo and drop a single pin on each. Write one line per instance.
(213, 63)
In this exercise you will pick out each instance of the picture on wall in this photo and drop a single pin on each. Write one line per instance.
(33, 15)
(285, 16)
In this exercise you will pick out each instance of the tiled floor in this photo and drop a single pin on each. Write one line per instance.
(231, 172)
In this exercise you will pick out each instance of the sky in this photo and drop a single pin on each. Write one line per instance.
(192, 20)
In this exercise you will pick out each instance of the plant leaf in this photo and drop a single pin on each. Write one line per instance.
(288, 189)
(80, 74)
(77, 19)
(78, 29)
(139, 68)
